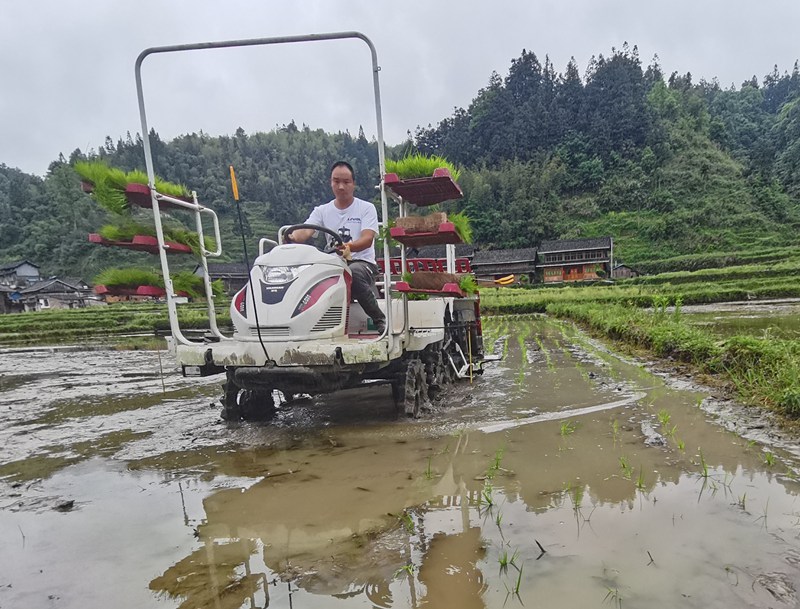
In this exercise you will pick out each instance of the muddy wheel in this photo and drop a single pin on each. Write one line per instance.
(257, 405)
(410, 391)
(438, 372)
(245, 404)
(230, 400)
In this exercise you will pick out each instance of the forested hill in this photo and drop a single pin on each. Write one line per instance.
(665, 165)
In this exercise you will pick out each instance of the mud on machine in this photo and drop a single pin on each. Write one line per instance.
(295, 329)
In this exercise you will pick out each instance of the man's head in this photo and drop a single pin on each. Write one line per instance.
(343, 182)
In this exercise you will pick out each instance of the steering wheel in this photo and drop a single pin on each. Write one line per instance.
(337, 238)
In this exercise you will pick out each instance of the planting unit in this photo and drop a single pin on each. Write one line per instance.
(296, 330)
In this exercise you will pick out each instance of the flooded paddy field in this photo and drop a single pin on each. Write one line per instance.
(758, 318)
(563, 477)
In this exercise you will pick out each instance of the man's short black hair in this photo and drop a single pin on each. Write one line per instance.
(344, 164)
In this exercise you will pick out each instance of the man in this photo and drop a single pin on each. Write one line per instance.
(356, 222)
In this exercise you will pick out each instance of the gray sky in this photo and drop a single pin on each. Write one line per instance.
(68, 80)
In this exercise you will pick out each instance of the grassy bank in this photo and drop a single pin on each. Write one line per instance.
(695, 289)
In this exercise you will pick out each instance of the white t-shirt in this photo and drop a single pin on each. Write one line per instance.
(349, 223)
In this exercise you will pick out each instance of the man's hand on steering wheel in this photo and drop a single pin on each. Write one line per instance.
(337, 238)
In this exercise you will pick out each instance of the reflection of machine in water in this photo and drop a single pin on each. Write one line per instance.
(356, 540)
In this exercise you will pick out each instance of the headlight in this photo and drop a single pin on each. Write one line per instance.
(282, 274)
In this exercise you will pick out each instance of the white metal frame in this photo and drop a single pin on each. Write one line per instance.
(199, 209)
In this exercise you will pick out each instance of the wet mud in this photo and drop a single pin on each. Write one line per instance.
(565, 476)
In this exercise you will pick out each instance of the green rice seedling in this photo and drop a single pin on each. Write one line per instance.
(128, 278)
(742, 502)
(179, 191)
(486, 494)
(614, 597)
(577, 497)
(407, 570)
(703, 466)
(468, 284)
(568, 428)
(627, 470)
(615, 431)
(462, 224)
(186, 281)
(640, 480)
(503, 559)
(420, 166)
(769, 459)
(428, 472)
(408, 522)
(111, 199)
(663, 418)
(498, 459)
(519, 580)
(681, 445)
(125, 230)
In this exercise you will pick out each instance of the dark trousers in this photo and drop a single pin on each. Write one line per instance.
(364, 274)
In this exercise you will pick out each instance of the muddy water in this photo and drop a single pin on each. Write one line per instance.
(564, 477)
(769, 318)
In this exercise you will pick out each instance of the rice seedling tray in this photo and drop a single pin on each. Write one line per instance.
(139, 195)
(448, 289)
(141, 243)
(445, 233)
(142, 290)
(438, 188)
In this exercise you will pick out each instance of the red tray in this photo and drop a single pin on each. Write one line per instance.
(142, 290)
(448, 289)
(445, 234)
(425, 191)
(142, 243)
(139, 195)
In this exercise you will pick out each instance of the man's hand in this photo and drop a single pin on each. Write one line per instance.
(344, 251)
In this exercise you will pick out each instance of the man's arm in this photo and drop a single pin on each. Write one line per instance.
(363, 242)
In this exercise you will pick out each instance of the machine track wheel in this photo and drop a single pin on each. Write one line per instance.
(246, 404)
(438, 371)
(257, 405)
(410, 390)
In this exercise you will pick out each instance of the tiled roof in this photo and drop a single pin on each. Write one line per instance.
(43, 286)
(10, 266)
(568, 245)
(463, 250)
(504, 256)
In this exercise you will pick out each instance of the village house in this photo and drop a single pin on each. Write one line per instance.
(494, 264)
(18, 274)
(623, 271)
(233, 275)
(575, 260)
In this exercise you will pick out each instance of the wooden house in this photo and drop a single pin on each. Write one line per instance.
(494, 264)
(55, 293)
(575, 260)
(623, 271)
(234, 275)
(19, 274)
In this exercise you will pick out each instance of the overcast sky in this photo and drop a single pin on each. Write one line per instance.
(67, 67)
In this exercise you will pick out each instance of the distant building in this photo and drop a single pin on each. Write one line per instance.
(54, 293)
(234, 275)
(575, 260)
(494, 264)
(623, 271)
(19, 274)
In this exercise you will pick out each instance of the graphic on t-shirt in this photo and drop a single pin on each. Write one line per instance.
(344, 233)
